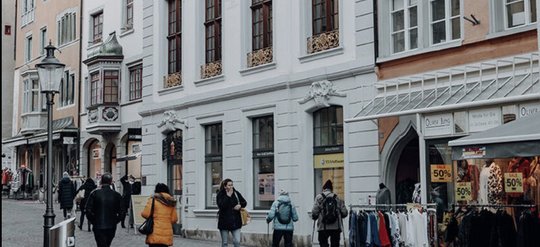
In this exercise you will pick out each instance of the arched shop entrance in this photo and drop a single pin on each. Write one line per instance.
(404, 167)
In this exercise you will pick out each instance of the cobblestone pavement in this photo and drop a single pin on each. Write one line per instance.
(22, 226)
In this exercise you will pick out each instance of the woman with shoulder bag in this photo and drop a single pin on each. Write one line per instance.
(87, 187)
(229, 201)
(164, 215)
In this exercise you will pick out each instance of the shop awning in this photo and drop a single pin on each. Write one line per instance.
(518, 138)
(61, 127)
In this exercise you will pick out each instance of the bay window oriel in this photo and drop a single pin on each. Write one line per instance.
(263, 161)
(213, 162)
(104, 89)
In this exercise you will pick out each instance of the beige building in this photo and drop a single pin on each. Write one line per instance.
(8, 63)
(38, 23)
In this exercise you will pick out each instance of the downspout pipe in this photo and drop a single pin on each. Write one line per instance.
(79, 91)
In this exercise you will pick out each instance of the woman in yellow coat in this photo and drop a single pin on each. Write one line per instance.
(164, 216)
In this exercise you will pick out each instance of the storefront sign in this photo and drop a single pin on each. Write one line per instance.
(463, 191)
(266, 187)
(484, 119)
(528, 109)
(473, 152)
(513, 182)
(436, 125)
(441, 173)
(69, 140)
(138, 203)
(328, 161)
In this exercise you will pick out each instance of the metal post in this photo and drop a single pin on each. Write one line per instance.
(49, 212)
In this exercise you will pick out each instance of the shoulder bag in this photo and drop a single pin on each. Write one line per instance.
(244, 214)
(147, 227)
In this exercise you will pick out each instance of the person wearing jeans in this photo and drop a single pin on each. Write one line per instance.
(229, 202)
(283, 213)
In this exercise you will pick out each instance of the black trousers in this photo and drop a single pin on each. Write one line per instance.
(334, 238)
(104, 237)
(278, 234)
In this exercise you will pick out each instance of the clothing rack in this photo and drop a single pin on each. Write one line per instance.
(496, 205)
(391, 205)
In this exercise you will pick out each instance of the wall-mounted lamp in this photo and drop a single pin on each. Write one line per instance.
(474, 21)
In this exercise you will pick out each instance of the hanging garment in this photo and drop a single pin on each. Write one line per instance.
(484, 186)
(402, 221)
(495, 184)
(394, 229)
(383, 233)
(419, 221)
(353, 225)
(374, 228)
(528, 229)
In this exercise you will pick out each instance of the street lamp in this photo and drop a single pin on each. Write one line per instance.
(50, 72)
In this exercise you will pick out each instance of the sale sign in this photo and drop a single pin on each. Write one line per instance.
(463, 191)
(513, 182)
(441, 173)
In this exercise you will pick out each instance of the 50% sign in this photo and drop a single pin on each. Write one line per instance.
(441, 173)
(463, 191)
(513, 182)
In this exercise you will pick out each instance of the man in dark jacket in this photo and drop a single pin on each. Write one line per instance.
(104, 210)
(333, 229)
(66, 194)
(126, 197)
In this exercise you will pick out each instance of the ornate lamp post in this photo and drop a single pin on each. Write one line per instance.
(50, 72)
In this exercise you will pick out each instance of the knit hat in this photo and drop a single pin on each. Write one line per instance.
(328, 185)
(66, 175)
(283, 193)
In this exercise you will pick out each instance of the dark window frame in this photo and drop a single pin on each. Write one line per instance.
(263, 153)
(97, 27)
(332, 128)
(129, 14)
(174, 161)
(94, 88)
(263, 38)
(110, 86)
(212, 26)
(174, 36)
(213, 141)
(329, 16)
(135, 82)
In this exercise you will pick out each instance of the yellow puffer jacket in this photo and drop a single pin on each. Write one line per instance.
(164, 216)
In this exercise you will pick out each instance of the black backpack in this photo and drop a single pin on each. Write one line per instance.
(284, 213)
(330, 209)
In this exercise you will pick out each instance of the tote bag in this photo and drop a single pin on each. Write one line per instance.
(244, 214)
(147, 227)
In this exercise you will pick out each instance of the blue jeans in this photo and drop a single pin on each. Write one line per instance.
(225, 237)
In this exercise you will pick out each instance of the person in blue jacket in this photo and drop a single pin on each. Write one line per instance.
(283, 213)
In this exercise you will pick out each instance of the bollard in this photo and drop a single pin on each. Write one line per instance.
(63, 234)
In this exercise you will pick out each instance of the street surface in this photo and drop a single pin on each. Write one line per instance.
(22, 226)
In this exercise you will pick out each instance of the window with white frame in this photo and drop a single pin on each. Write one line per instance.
(404, 15)
(519, 12)
(66, 28)
(67, 89)
(31, 96)
(95, 89)
(128, 20)
(213, 160)
(27, 5)
(28, 49)
(135, 82)
(42, 40)
(445, 20)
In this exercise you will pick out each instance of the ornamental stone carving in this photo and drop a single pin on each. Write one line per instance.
(210, 69)
(320, 92)
(170, 122)
(110, 114)
(323, 41)
(173, 80)
(93, 116)
(259, 57)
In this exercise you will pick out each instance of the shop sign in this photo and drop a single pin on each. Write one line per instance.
(138, 202)
(441, 173)
(513, 182)
(69, 140)
(436, 125)
(528, 109)
(480, 120)
(328, 161)
(463, 191)
(473, 152)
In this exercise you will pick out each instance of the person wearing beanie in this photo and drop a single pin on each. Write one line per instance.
(66, 194)
(283, 213)
(329, 227)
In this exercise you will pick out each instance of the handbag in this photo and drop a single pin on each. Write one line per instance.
(244, 214)
(147, 227)
(79, 196)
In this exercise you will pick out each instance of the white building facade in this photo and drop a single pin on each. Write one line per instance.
(256, 91)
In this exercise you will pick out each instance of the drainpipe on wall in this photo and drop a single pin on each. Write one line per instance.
(79, 92)
(375, 33)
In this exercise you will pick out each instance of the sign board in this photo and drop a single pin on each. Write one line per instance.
(138, 203)
(483, 119)
(528, 109)
(436, 125)
(513, 182)
(69, 140)
(266, 187)
(441, 173)
(473, 152)
(463, 191)
(328, 161)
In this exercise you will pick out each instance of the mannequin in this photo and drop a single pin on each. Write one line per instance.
(383, 195)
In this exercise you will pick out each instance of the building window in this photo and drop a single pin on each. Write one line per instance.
(174, 161)
(7, 29)
(135, 82)
(325, 16)
(328, 161)
(95, 92)
(213, 30)
(28, 5)
(129, 15)
(404, 25)
(110, 86)
(213, 162)
(67, 89)
(66, 28)
(263, 161)
(97, 27)
(261, 14)
(445, 21)
(43, 40)
(28, 49)
(174, 37)
(31, 96)
(520, 12)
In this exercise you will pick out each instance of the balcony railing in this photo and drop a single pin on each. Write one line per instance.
(211, 69)
(172, 80)
(323, 41)
(259, 57)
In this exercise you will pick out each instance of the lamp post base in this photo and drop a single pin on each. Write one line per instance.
(49, 222)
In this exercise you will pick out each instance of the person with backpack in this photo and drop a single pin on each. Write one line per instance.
(329, 210)
(283, 213)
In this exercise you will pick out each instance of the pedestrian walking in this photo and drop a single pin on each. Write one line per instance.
(283, 213)
(104, 210)
(229, 202)
(164, 216)
(88, 186)
(329, 210)
(66, 194)
(126, 198)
